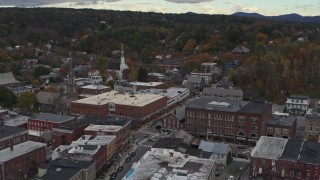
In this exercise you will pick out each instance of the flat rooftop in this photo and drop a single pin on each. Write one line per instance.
(52, 117)
(156, 165)
(216, 104)
(19, 149)
(151, 84)
(128, 99)
(103, 128)
(93, 140)
(277, 144)
(281, 120)
(10, 131)
(95, 87)
(16, 121)
(69, 168)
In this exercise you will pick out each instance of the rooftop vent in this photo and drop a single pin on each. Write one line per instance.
(58, 170)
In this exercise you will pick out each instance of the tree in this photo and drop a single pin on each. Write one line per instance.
(229, 158)
(313, 138)
(7, 97)
(142, 75)
(27, 100)
(102, 66)
(40, 71)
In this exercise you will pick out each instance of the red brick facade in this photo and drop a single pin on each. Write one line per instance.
(14, 139)
(23, 165)
(137, 112)
(121, 136)
(170, 121)
(43, 125)
(233, 126)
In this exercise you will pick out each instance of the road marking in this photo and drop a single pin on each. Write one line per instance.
(148, 146)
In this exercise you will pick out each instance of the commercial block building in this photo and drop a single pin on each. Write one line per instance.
(45, 122)
(174, 120)
(21, 160)
(67, 169)
(137, 106)
(223, 93)
(171, 164)
(285, 159)
(230, 120)
(312, 123)
(90, 90)
(10, 136)
(281, 126)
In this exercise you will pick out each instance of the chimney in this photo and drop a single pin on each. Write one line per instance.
(11, 147)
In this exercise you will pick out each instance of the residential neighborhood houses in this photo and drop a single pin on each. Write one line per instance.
(89, 117)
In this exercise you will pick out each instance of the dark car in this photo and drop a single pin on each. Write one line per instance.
(113, 175)
(243, 156)
(120, 168)
(132, 154)
(217, 174)
(128, 159)
(158, 127)
(151, 140)
(242, 147)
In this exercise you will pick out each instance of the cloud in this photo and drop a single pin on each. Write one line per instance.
(189, 1)
(208, 9)
(32, 3)
(304, 6)
(244, 8)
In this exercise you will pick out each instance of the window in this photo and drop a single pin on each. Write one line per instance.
(277, 130)
(241, 119)
(240, 126)
(291, 173)
(254, 128)
(254, 120)
(310, 127)
(285, 131)
(308, 175)
(209, 116)
(270, 129)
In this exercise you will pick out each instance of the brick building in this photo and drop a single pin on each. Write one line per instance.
(137, 106)
(10, 136)
(21, 160)
(285, 159)
(174, 120)
(312, 123)
(66, 133)
(99, 149)
(229, 120)
(121, 130)
(281, 126)
(17, 121)
(45, 122)
(89, 90)
(67, 169)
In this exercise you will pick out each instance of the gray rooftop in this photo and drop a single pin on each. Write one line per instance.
(48, 98)
(282, 120)
(292, 149)
(176, 167)
(19, 149)
(195, 79)
(178, 145)
(10, 131)
(261, 150)
(216, 148)
(53, 117)
(215, 104)
(7, 78)
(300, 97)
(313, 113)
(255, 108)
(16, 121)
(222, 91)
(69, 168)
(180, 112)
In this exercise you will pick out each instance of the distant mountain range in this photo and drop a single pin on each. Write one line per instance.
(286, 17)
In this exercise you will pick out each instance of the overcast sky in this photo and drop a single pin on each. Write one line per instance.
(266, 7)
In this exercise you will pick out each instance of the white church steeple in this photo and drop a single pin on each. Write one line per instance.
(123, 64)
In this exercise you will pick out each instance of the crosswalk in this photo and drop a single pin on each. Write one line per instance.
(143, 145)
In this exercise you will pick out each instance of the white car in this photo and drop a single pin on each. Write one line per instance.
(231, 178)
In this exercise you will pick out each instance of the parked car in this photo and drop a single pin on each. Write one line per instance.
(145, 135)
(120, 168)
(231, 178)
(133, 154)
(113, 175)
(243, 156)
(151, 140)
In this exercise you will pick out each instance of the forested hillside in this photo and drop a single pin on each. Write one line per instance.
(284, 57)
